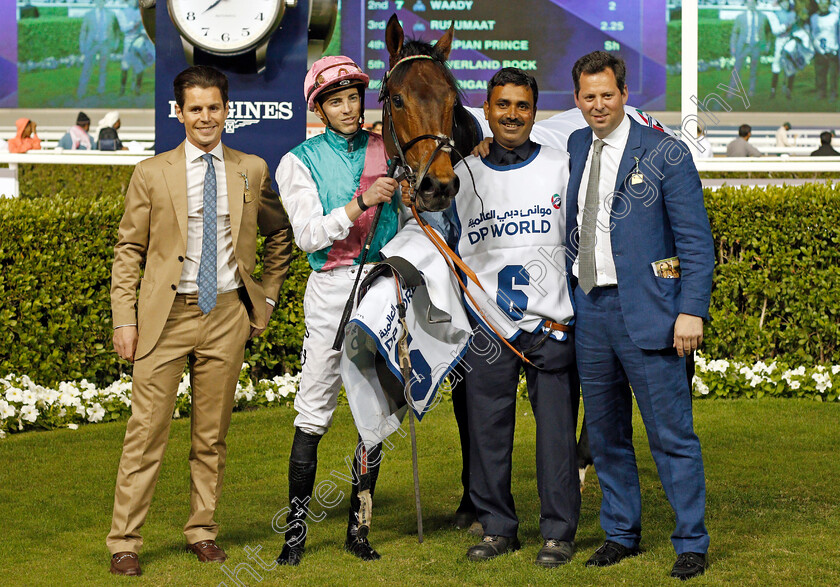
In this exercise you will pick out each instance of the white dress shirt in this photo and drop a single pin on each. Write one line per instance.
(611, 155)
(227, 276)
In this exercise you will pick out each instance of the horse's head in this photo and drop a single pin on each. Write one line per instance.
(419, 96)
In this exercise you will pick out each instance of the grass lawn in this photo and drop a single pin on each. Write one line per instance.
(772, 472)
(56, 88)
(805, 98)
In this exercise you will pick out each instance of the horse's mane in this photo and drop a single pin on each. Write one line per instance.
(464, 130)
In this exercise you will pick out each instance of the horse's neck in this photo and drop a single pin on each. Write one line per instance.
(465, 132)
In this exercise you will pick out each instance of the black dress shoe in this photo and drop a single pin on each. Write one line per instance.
(610, 553)
(555, 553)
(290, 555)
(491, 547)
(689, 565)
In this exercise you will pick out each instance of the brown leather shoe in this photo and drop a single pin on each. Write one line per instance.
(126, 563)
(208, 551)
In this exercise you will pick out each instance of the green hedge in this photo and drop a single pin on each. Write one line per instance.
(56, 251)
(713, 40)
(777, 280)
(49, 36)
(776, 290)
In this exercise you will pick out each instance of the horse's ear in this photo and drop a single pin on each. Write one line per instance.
(394, 36)
(444, 44)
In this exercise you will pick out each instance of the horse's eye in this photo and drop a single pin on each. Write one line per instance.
(398, 101)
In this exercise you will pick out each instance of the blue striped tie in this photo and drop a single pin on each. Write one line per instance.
(207, 267)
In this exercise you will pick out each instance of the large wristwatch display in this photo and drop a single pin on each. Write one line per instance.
(230, 34)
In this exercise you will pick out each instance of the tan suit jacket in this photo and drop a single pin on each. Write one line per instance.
(153, 231)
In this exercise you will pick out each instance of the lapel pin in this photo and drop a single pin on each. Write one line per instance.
(636, 176)
(247, 186)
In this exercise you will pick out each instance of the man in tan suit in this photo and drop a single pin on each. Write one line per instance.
(198, 302)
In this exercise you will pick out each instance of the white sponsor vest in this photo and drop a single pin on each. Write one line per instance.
(511, 235)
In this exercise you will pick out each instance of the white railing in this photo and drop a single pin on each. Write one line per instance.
(10, 186)
(769, 164)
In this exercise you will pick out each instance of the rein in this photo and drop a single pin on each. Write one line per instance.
(452, 259)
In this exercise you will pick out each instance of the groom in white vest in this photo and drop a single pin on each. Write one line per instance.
(511, 226)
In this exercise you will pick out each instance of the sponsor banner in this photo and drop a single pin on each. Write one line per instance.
(267, 115)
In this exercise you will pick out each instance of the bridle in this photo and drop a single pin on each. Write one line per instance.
(443, 143)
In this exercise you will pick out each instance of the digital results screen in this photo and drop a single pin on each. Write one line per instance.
(543, 37)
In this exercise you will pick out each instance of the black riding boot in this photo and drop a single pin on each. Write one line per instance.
(303, 464)
(123, 80)
(366, 467)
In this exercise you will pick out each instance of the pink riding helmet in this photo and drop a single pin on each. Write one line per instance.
(329, 71)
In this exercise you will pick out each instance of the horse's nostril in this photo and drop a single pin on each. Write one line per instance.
(427, 185)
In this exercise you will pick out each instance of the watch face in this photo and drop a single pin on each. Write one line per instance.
(225, 26)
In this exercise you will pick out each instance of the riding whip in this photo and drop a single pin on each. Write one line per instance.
(348, 307)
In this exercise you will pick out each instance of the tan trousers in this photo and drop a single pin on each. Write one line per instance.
(214, 344)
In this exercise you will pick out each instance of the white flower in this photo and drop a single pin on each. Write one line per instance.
(700, 386)
(835, 369)
(718, 366)
(89, 394)
(95, 413)
(700, 362)
(13, 394)
(270, 396)
(795, 384)
(798, 371)
(72, 426)
(49, 396)
(760, 367)
(184, 386)
(66, 399)
(29, 397)
(823, 381)
(6, 411)
(29, 413)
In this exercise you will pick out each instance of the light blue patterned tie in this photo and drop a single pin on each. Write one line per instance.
(207, 266)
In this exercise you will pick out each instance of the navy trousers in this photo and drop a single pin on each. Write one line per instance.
(610, 364)
(492, 374)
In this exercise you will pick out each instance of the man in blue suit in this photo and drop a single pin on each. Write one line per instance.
(641, 257)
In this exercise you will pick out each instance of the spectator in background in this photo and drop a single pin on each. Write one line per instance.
(376, 127)
(825, 150)
(26, 138)
(77, 137)
(700, 147)
(29, 11)
(748, 39)
(783, 139)
(138, 55)
(740, 147)
(99, 36)
(782, 23)
(824, 31)
(107, 138)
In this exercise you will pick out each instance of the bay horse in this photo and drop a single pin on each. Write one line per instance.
(425, 126)
(424, 122)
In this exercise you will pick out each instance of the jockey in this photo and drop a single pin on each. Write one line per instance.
(330, 185)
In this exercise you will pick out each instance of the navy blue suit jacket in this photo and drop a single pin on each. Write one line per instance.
(662, 216)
